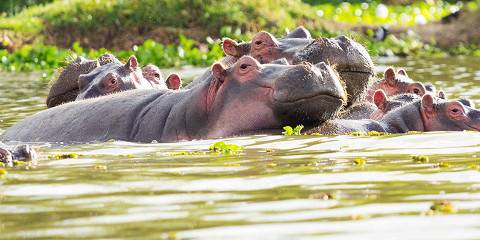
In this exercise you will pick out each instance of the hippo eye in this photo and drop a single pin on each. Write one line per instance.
(455, 110)
(258, 42)
(157, 75)
(416, 91)
(244, 66)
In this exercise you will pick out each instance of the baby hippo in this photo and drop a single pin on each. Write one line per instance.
(110, 78)
(20, 152)
(426, 114)
(153, 74)
(396, 83)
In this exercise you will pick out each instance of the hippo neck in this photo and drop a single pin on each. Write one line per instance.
(404, 119)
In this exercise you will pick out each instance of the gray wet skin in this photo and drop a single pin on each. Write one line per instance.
(111, 78)
(424, 115)
(245, 97)
(351, 60)
(9, 153)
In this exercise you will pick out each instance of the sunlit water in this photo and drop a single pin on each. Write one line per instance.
(278, 188)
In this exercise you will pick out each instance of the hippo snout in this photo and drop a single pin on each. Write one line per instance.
(306, 80)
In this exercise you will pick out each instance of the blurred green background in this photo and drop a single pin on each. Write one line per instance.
(42, 34)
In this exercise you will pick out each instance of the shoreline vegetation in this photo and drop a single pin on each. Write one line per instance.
(172, 33)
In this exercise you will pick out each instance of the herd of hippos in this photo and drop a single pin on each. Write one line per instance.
(326, 84)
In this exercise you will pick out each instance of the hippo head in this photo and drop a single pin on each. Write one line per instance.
(351, 61)
(110, 78)
(398, 83)
(441, 115)
(153, 75)
(266, 48)
(386, 104)
(249, 96)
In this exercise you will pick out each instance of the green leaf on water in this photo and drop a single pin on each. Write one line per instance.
(222, 147)
(289, 131)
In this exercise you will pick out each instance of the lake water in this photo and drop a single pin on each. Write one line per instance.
(279, 187)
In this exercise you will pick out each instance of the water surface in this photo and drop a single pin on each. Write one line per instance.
(303, 187)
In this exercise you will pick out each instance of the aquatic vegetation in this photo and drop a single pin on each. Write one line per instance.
(443, 165)
(61, 156)
(187, 153)
(443, 206)
(3, 172)
(289, 131)
(222, 147)
(359, 161)
(420, 159)
(18, 163)
(100, 167)
(323, 195)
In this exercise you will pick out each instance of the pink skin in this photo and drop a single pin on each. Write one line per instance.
(264, 47)
(439, 115)
(398, 83)
(139, 81)
(245, 70)
(380, 99)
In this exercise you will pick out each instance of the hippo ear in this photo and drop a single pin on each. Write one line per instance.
(389, 76)
(380, 99)
(230, 47)
(441, 94)
(132, 63)
(219, 71)
(467, 102)
(402, 72)
(299, 32)
(174, 81)
(428, 104)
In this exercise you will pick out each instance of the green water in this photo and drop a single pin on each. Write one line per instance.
(277, 188)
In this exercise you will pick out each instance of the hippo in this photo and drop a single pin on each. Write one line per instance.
(22, 152)
(429, 113)
(66, 87)
(153, 74)
(111, 78)
(351, 59)
(239, 99)
(396, 83)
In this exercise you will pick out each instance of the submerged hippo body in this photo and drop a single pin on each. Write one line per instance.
(426, 114)
(244, 97)
(351, 59)
(9, 153)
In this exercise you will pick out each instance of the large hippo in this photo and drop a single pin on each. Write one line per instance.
(426, 114)
(23, 152)
(351, 59)
(244, 97)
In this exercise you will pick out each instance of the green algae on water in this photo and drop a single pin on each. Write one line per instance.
(420, 159)
(3, 172)
(17, 163)
(63, 156)
(443, 206)
(187, 153)
(359, 161)
(222, 147)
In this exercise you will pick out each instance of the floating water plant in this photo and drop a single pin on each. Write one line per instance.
(100, 167)
(289, 131)
(222, 147)
(420, 159)
(187, 153)
(443, 206)
(63, 156)
(359, 161)
(3, 172)
(17, 163)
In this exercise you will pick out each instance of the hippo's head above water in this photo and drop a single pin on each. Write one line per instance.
(153, 74)
(397, 83)
(440, 115)
(110, 78)
(266, 48)
(250, 96)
